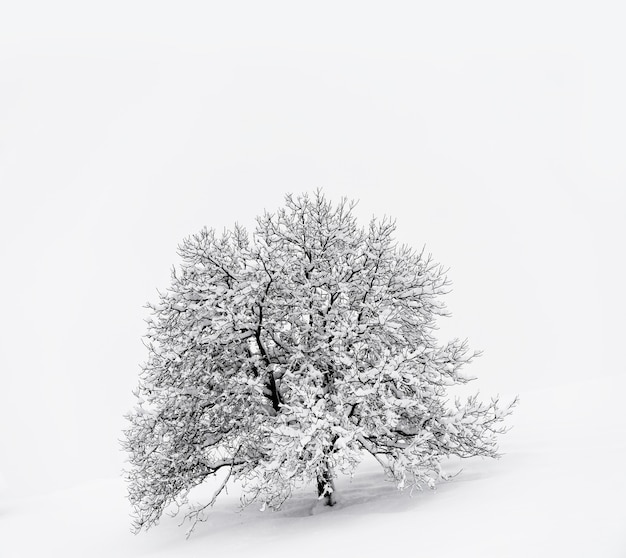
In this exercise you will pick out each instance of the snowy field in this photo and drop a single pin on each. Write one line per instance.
(493, 132)
(558, 491)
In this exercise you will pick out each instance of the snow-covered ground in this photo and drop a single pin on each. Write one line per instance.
(558, 491)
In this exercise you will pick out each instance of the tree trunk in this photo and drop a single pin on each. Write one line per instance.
(326, 486)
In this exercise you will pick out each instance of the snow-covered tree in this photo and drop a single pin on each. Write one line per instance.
(281, 357)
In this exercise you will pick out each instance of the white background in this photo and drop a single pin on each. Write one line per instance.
(494, 132)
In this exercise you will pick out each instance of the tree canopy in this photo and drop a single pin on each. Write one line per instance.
(280, 357)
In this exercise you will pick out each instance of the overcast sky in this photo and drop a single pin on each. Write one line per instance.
(494, 134)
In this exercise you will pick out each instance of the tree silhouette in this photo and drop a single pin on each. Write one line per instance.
(280, 357)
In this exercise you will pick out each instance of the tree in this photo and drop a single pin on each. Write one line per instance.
(280, 358)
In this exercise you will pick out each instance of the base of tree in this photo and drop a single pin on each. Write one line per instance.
(326, 488)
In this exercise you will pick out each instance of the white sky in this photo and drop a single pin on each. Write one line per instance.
(495, 134)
